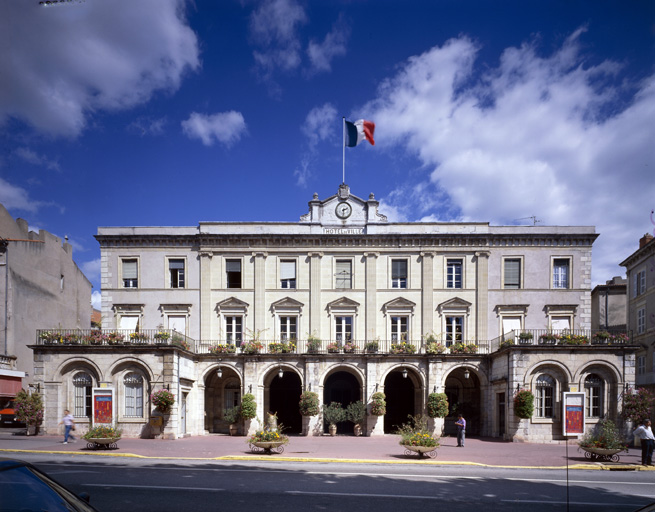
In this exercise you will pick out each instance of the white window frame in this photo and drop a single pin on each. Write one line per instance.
(129, 282)
(398, 334)
(556, 282)
(504, 276)
(232, 335)
(451, 322)
(288, 275)
(229, 260)
(399, 282)
(542, 408)
(174, 280)
(594, 402)
(134, 393)
(82, 395)
(452, 264)
(342, 276)
(344, 327)
(285, 324)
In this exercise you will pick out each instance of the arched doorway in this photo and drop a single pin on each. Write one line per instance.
(221, 393)
(463, 392)
(284, 396)
(399, 391)
(342, 387)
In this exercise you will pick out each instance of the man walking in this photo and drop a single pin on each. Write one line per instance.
(645, 433)
(461, 430)
(69, 424)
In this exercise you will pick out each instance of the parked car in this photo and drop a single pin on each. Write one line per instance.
(23, 487)
(8, 415)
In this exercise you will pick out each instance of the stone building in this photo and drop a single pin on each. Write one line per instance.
(342, 303)
(609, 305)
(40, 286)
(640, 269)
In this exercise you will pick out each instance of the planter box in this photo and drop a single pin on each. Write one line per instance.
(602, 454)
(102, 443)
(431, 451)
(267, 447)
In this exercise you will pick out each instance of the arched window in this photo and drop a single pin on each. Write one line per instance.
(544, 396)
(594, 387)
(133, 384)
(82, 383)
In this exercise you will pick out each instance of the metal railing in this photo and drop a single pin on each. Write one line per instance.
(95, 337)
(567, 337)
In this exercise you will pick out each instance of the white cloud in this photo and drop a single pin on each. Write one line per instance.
(530, 137)
(33, 158)
(13, 197)
(225, 127)
(91, 270)
(319, 124)
(96, 301)
(148, 126)
(334, 45)
(67, 62)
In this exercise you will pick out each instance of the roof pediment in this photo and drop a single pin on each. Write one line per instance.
(343, 302)
(455, 303)
(231, 302)
(399, 303)
(288, 303)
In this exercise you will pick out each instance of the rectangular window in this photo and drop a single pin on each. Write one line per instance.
(234, 329)
(454, 273)
(641, 321)
(399, 273)
(130, 273)
(133, 398)
(344, 274)
(176, 272)
(641, 365)
(454, 329)
(233, 273)
(399, 330)
(512, 273)
(544, 400)
(288, 274)
(640, 282)
(288, 328)
(344, 328)
(561, 273)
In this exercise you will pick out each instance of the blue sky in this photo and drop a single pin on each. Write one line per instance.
(165, 112)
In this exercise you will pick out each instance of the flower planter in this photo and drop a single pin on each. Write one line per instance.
(267, 447)
(431, 451)
(102, 443)
(602, 454)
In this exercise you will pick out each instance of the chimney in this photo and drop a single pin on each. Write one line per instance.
(645, 240)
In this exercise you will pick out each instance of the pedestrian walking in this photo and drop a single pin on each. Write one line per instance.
(461, 430)
(69, 425)
(645, 433)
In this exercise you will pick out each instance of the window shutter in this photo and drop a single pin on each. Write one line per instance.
(176, 264)
(512, 273)
(129, 269)
(233, 265)
(288, 269)
(398, 269)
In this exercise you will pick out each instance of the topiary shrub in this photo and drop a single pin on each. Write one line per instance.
(248, 407)
(524, 404)
(356, 412)
(309, 404)
(437, 405)
(333, 413)
(378, 404)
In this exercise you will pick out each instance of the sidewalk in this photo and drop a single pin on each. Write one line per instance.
(381, 449)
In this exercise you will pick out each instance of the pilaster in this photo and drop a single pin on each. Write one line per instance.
(260, 290)
(205, 294)
(371, 294)
(482, 295)
(315, 292)
(427, 292)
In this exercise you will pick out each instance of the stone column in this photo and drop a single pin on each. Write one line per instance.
(315, 293)
(427, 292)
(371, 295)
(205, 295)
(260, 291)
(482, 296)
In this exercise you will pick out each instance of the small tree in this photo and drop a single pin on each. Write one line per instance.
(524, 404)
(378, 404)
(437, 405)
(29, 407)
(232, 415)
(333, 413)
(309, 404)
(638, 404)
(356, 412)
(248, 407)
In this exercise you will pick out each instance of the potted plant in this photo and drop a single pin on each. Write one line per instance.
(402, 348)
(102, 437)
(267, 440)
(138, 337)
(601, 338)
(461, 348)
(573, 339)
(162, 399)
(548, 339)
(433, 348)
(222, 349)
(621, 338)
(251, 347)
(180, 342)
(161, 336)
(637, 404)
(603, 442)
(333, 413)
(356, 412)
(416, 438)
(95, 338)
(232, 416)
(333, 347)
(28, 409)
(506, 343)
(378, 404)
(349, 348)
(372, 347)
(281, 348)
(114, 338)
(437, 406)
(525, 338)
(50, 337)
(523, 404)
(313, 344)
(248, 407)
(309, 403)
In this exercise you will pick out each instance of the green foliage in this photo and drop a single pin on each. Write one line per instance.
(309, 404)
(433, 348)
(604, 435)
(313, 343)
(415, 433)
(232, 415)
(437, 405)
(29, 407)
(378, 404)
(162, 399)
(102, 432)
(333, 413)
(461, 348)
(524, 404)
(637, 405)
(248, 406)
(267, 436)
(356, 412)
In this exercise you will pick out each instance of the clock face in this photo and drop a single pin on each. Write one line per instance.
(343, 210)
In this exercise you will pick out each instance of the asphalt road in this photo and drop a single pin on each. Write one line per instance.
(134, 484)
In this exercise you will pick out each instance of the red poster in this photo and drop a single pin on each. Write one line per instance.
(574, 419)
(102, 409)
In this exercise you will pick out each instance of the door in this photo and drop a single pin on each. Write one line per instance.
(501, 414)
(183, 413)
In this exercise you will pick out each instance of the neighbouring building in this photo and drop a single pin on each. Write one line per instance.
(609, 305)
(343, 303)
(640, 269)
(40, 287)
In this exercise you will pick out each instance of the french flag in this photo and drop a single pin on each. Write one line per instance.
(358, 132)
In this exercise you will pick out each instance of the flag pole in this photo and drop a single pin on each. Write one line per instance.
(343, 147)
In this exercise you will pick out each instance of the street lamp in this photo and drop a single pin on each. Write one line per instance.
(404, 373)
(280, 373)
(219, 371)
(467, 374)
